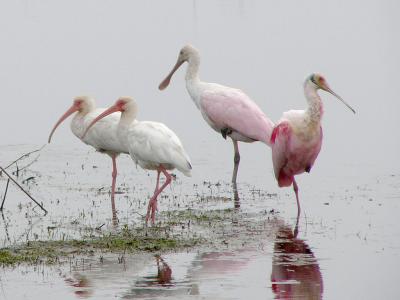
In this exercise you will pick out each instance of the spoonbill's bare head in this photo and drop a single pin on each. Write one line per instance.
(126, 105)
(186, 54)
(319, 82)
(81, 104)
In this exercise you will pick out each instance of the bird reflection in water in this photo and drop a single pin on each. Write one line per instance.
(164, 273)
(155, 285)
(295, 270)
(81, 285)
(163, 277)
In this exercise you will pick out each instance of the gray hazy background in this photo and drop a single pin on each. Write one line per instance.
(52, 51)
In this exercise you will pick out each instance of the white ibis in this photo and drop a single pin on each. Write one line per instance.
(152, 145)
(103, 137)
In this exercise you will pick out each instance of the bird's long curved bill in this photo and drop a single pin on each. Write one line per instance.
(104, 114)
(340, 98)
(69, 112)
(167, 79)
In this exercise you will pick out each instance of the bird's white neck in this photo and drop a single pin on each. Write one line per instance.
(315, 107)
(192, 71)
(192, 78)
(128, 118)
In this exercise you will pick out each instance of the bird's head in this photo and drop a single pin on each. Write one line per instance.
(126, 105)
(186, 54)
(81, 104)
(318, 81)
(84, 104)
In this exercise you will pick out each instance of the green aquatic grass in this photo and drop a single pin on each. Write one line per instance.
(126, 240)
(197, 216)
(148, 239)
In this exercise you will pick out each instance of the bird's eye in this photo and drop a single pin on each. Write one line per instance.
(313, 79)
(181, 53)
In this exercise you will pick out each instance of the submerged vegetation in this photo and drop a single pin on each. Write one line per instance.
(166, 236)
(126, 240)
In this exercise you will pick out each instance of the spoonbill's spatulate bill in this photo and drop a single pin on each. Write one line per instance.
(296, 139)
(103, 136)
(227, 110)
(152, 145)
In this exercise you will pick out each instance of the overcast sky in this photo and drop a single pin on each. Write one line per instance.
(52, 51)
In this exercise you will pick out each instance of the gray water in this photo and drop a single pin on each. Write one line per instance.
(52, 52)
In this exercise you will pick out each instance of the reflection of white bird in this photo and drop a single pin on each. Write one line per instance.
(152, 145)
(103, 137)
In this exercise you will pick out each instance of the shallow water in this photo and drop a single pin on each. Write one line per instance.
(348, 242)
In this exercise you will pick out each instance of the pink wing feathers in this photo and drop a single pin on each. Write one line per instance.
(290, 155)
(280, 139)
(231, 108)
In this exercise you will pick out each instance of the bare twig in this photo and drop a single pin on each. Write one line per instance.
(25, 155)
(5, 194)
(5, 226)
(22, 189)
(99, 227)
(30, 164)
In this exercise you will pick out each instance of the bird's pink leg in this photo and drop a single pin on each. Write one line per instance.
(152, 207)
(296, 191)
(236, 160)
(158, 180)
(114, 177)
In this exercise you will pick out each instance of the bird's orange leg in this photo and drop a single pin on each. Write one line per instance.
(296, 191)
(236, 160)
(152, 207)
(114, 177)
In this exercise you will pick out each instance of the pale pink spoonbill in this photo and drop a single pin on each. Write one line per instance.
(103, 137)
(296, 139)
(227, 110)
(152, 145)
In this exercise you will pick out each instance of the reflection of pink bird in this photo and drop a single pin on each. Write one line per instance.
(296, 139)
(152, 145)
(103, 137)
(227, 110)
(295, 270)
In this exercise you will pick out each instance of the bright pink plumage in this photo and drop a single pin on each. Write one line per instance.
(233, 109)
(292, 154)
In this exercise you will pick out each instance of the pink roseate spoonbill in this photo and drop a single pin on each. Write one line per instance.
(103, 137)
(152, 145)
(296, 139)
(227, 110)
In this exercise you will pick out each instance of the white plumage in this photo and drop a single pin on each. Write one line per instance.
(152, 145)
(103, 137)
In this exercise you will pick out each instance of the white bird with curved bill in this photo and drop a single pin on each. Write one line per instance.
(103, 137)
(152, 145)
